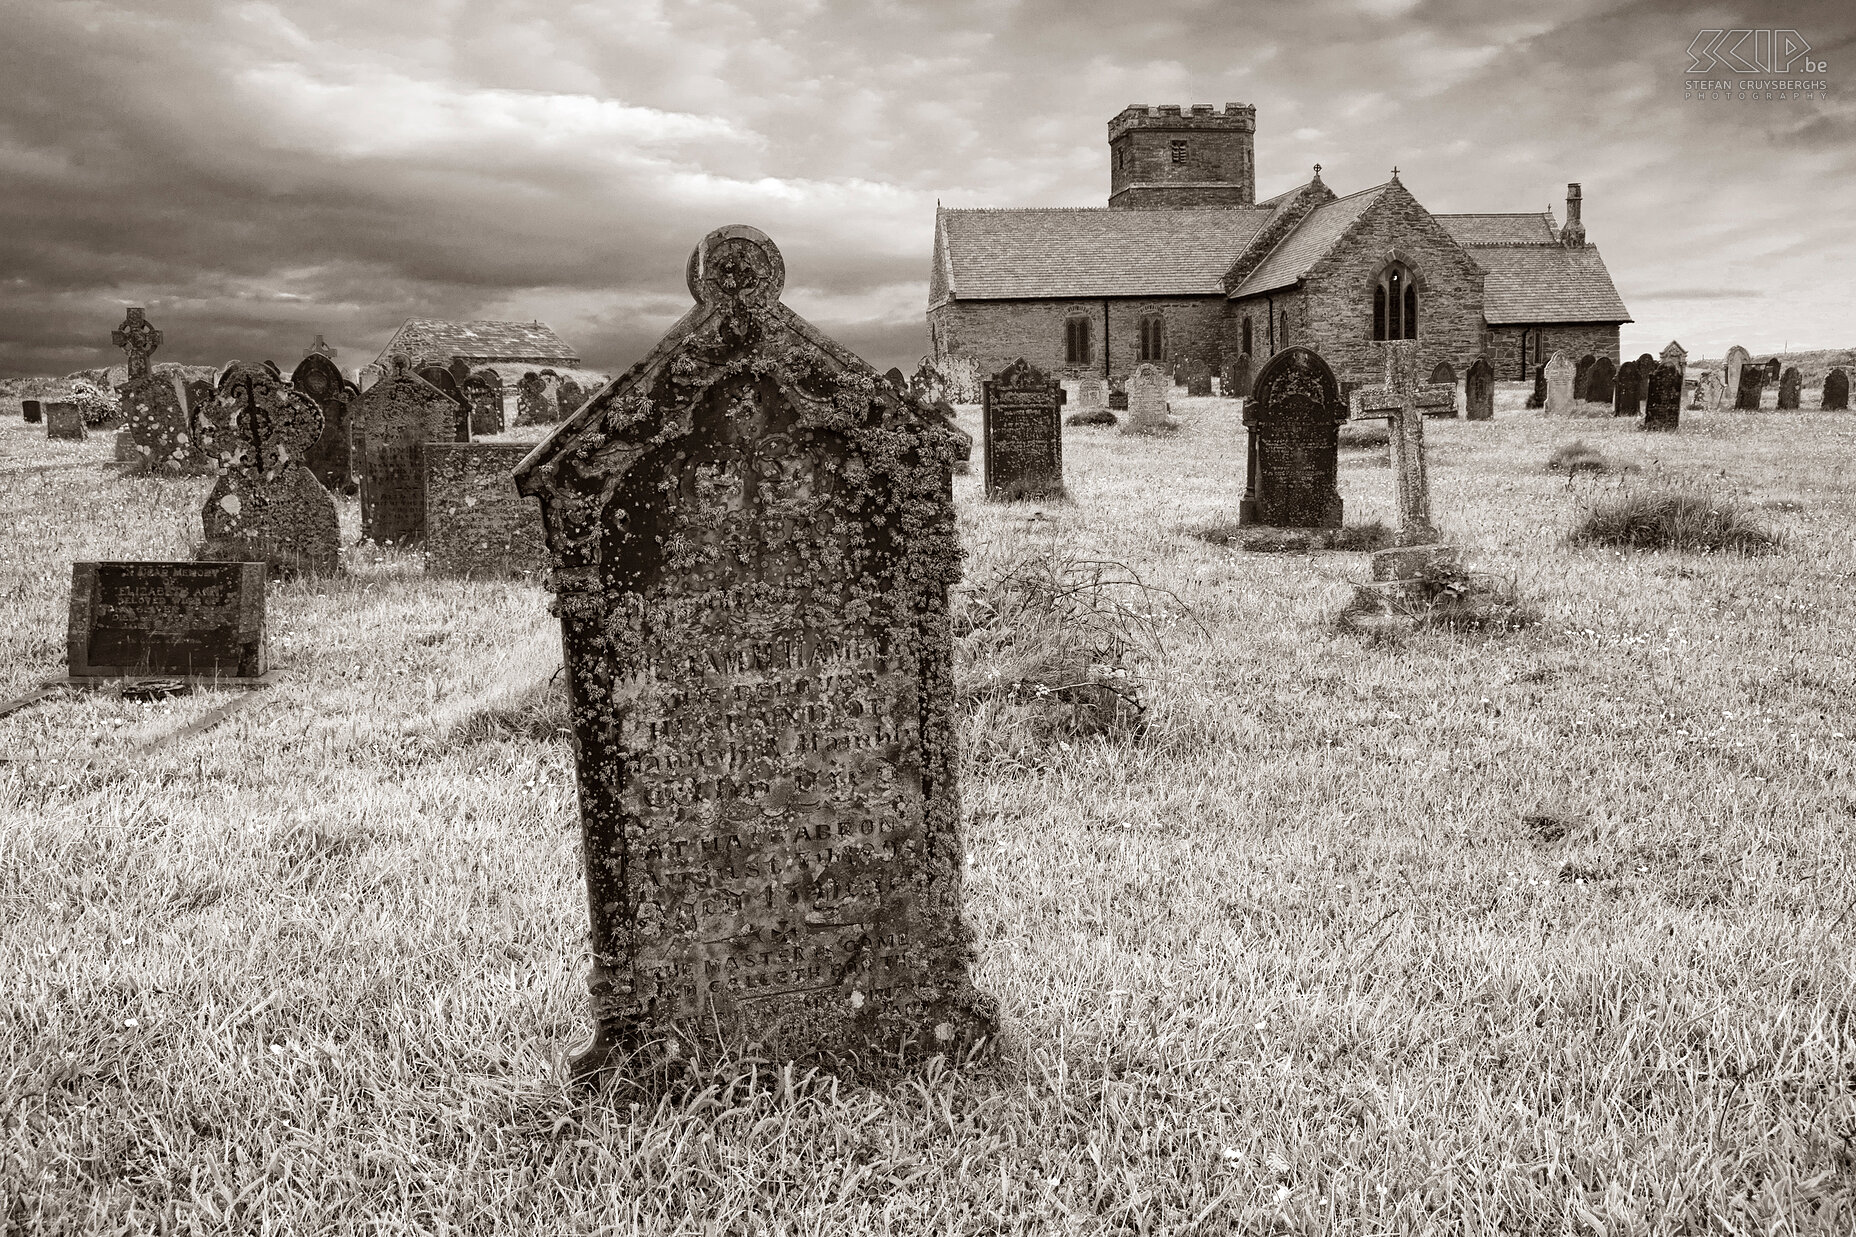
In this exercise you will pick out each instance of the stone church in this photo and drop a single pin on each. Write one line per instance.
(1184, 262)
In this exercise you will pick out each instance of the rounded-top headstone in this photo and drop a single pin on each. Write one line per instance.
(1837, 390)
(736, 263)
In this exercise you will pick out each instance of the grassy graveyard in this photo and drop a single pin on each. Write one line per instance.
(1544, 930)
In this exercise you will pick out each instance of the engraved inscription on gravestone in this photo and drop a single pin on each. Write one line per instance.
(752, 537)
(1022, 433)
(178, 619)
(440, 377)
(396, 417)
(1293, 420)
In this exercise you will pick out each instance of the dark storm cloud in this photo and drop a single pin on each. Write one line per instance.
(256, 173)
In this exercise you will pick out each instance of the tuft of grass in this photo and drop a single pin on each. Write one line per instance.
(1095, 416)
(1683, 516)
(1444, 598)
(1580, 456)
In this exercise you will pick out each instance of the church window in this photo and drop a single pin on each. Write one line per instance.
(1395, 304)
(1179, 151)
(1247, 349)
(1153, 338)
(1076, 341)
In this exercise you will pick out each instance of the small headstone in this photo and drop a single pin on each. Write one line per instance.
(476, 524)
(1790, 384)
(394, 419)
(64, 419)
(1773, 370)
(1117, 396)
(484, 391)
(1663, 410)
(1737, 360)
(440, 377)
(1537, 398)
(266, 505)
(331, 457)
(1752, 382)
(753, 537)
(532, 404)
(1237, 385)
(1582, 375)
(1022, 433)
(1147, 407)
(1599, 383)
(1708, 393)
(1836, 391)
(1198, 378)
(32, 410)
(1559, 385)
(1675, 354)
(568, 396)
(1443, 375)
(1292, 419)
(1091, 393)
(1626, 398)
(195, 620)
(1479, 390)
(157, 429)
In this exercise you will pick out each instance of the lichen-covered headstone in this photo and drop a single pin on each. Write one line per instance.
(1022, 433)
(484, 390)
(895, 378)
(266, 505)
(753, 538)
(395, 418)
(1791, 384)
(157, 427)
(331, 456)
(1479, 390)
(1292, 420)
(1147, 406)
(440, 377)
(1663, 410)
(1560, 379)
(568, 396)
(476, 524)
(1599, 383)
(1626, 392)
(1708, 393)
(64, 419)
(1091, 393)
(1836, 391)
(1752, 384)
(532, 400)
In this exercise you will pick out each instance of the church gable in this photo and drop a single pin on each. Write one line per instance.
(1287, 213)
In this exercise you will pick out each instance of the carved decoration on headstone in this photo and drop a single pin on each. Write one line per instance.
(1147, 406)
(202, 621)
(266, 506)
(393, 420)
(1401, 399)
(1674, 354)
(1292, 423)
(1022, 434)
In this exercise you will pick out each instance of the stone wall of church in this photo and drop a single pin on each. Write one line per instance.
(996, 333)
(1575, 339)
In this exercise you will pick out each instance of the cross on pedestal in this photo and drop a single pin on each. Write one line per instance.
(139, 340)
(1402, 400)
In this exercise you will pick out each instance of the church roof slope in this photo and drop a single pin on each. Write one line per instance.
(1094, 251)
(1308, 243)
(514, 341)
(1472, 231)
(1547, 283)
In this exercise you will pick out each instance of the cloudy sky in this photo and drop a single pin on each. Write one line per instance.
(258, 172)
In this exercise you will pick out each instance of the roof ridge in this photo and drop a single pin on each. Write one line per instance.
(1483, 214)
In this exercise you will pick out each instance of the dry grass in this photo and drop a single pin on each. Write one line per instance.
(1685, 515)
(1544, 935)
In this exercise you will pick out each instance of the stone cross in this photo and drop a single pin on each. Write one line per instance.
(321, 348)
(139, 340)
(1404, 401)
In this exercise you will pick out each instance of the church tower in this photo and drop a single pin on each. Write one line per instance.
(1161, 158)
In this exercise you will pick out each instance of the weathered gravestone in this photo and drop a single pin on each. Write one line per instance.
(64, 419)
(1198, 378)
(1559, 373)
(1674, 354)
(440, 377)
(1736, 362)
(395, 418)
(1479, 390)
(1708, 395)
(138, 340)
(179, 620)
(1836, 391)
(1599, 383)
(1403, 401)
(484, 391)
(1790, 384)
(266, 505)
(1663, 410)
(568, 396)
(157, 435)
(1582, 376)
(1117, 395)
(1147, 407)
(1626, 399)
(926, 383)
(1292, 422)
(1537, 398)
(1752, 383)
(476, 524)
(1646, 365)
(1237, 377)
(532, 401)
(1444, 376)
(1022, 433)
(1091, 403)
(895, 378)
(31, 410)
(1773, 370)
(331, 456)
(753, 538)
(321, 348)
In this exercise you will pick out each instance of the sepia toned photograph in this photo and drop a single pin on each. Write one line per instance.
(995, 617)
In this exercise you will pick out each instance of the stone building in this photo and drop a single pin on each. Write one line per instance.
(510, 347)
(1185, 263)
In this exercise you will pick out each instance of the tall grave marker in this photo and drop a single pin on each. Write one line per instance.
(1022, 432)
(1559, 373)
(266, 505)
(1737, 359)
(1599, 383)
(1752, 384)
(331, 456)
(753, 538)
(1402, 400)
(157, 435)
(396, 417)
(1627, 394)
(1479, 390)
(1663, 410)
(1292, 419)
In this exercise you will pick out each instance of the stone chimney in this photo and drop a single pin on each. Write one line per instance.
(1573, 234)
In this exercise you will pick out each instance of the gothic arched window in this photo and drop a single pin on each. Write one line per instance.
(1153, 338)
(1076, 341)
(1395, 304)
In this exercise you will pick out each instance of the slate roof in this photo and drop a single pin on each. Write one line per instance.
(1547, 283)
(1471, 231)
(1311, 239)
(515, 341)
(1093, 251)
